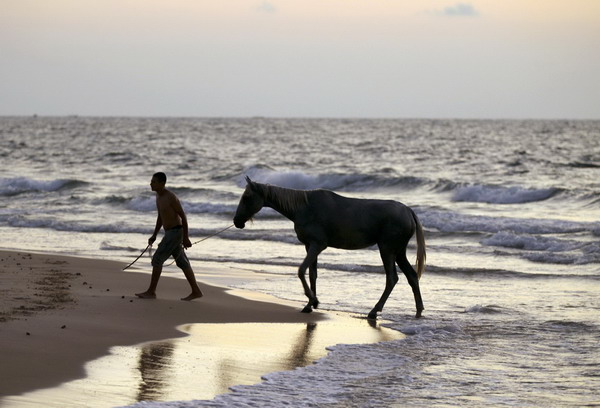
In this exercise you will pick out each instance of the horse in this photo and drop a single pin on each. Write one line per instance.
(324, 219)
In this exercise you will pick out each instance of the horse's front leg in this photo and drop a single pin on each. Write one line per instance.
(312, 252)
(390, 281)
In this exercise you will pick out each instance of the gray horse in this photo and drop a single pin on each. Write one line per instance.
(324, 219)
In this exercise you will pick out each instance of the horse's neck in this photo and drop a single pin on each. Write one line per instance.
(285, 201)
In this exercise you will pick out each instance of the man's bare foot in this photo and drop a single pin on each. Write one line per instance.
(146, 295)
(193, 295)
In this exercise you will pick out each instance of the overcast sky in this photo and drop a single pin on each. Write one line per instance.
(301, 58)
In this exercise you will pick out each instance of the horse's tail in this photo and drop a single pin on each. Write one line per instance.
(421, 255)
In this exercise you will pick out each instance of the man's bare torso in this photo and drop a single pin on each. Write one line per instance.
(167, 203)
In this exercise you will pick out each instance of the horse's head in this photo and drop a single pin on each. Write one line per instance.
(251, 202)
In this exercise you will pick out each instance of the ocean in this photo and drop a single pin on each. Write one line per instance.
(511, 212)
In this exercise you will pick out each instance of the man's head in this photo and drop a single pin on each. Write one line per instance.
(158, 181)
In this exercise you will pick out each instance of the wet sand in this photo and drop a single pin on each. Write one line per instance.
(72, 333)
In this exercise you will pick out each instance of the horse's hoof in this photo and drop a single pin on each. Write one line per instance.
(307, 309)
(372, 316)
(418, 315)
(315, 303)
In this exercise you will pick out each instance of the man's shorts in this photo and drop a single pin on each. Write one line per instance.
(171, 245)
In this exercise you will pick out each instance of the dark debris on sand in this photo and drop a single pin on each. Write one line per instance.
(49, 286)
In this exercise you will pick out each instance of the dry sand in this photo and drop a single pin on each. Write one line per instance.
(73, 334)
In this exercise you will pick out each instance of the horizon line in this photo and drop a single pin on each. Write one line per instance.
(100, 116)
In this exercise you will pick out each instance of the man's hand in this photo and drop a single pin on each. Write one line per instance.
(151, 240)
(187, 243)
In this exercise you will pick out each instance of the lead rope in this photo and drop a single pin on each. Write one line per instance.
(135, 260)
(197, 242)
(210, 236)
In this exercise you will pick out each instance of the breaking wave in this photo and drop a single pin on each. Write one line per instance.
(20, 185)
(329, 181)
(450, 221)
(502, 195)
(388, 178)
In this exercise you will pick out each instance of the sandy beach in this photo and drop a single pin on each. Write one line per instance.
(74, 334)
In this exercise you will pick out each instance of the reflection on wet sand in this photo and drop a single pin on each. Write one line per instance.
(298, 353)
(155, 360)
(213, 358)
(218, 356)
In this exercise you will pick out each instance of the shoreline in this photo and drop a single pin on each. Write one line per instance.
(62, 316)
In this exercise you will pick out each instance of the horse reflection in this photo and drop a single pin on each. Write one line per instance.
(299, 354)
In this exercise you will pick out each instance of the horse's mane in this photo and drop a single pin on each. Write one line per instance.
(288, 199)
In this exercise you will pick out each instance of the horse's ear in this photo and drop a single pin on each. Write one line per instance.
(250, 183)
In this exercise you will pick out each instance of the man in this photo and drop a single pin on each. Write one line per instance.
(172, 217)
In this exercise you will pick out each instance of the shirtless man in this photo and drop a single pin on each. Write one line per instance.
(172, 217)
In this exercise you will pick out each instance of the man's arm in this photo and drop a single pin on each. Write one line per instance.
(156, 230)
(184, 223)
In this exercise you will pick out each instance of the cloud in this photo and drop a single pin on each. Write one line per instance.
(458, 10)
(266, 7)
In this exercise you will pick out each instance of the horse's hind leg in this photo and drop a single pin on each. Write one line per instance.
(312, 252)
(413, 281)
(391, 279)
(312, 275)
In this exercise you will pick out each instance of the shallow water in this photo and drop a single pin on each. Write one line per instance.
(510, 210)
(205, 363)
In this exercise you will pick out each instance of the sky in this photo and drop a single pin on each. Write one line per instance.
(478, 59)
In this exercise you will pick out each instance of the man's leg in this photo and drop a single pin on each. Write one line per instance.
(191, 278)
(151, 292)
(184, 264)
(168, 244)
